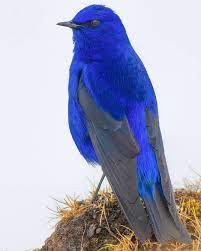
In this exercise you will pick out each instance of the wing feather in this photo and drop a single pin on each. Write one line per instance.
(117, 149)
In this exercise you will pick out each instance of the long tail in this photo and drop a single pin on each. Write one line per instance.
(163, 217)
(162, 222)
(154, 183)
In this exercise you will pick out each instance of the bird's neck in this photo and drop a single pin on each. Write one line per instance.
(110, 51)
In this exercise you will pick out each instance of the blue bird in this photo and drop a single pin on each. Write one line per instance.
(113, 119)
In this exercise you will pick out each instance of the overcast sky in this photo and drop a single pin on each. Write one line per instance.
(38, 157)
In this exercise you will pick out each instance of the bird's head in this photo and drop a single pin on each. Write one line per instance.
(97, 30)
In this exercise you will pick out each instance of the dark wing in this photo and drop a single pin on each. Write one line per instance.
(155, 137)
(116, 149)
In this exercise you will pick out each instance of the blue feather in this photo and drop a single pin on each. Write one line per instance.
(119, 84)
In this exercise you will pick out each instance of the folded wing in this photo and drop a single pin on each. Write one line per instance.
(117, 149)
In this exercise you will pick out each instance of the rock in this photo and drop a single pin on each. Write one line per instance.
(94, 215)
(91, 231)
(98, 230)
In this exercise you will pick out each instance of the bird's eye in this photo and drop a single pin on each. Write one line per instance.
(95, 23)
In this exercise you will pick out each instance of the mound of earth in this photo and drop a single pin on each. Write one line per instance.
(84, 226)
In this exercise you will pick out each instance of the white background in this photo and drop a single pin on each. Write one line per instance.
(38, 158)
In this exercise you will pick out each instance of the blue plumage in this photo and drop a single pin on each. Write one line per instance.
(76, 120)
(117, 80)
(114, 83)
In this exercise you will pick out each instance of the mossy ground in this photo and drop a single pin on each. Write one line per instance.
(85, 226)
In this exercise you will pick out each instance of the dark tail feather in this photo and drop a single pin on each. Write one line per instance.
(162, 221)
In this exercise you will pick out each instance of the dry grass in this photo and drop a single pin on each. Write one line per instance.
(189, 203)
(116, 235)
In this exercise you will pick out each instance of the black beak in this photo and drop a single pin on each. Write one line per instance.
(69, 25)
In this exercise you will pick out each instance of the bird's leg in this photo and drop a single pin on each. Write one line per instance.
(98, 188)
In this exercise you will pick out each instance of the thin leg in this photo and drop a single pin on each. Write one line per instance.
(98, 188)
